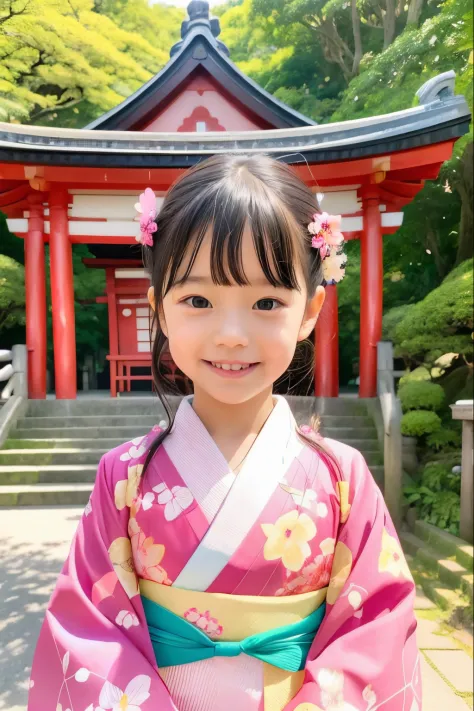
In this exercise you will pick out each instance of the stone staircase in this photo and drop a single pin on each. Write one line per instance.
(442, 566)
(51, 456)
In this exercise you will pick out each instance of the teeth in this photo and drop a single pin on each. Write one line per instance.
(228, 366)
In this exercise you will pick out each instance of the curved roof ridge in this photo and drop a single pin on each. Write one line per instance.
(199, 47)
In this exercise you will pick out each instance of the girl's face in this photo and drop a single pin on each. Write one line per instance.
(234, 341)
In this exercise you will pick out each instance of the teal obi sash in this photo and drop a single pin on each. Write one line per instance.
(176, 641)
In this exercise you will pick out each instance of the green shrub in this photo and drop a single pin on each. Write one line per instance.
(419, 423)
(437, 504)
(443, 439)
(438, 477)
(417, 375)
(421, 395)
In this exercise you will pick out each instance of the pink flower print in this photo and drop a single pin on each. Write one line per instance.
(175, 500)
(147, 209)
(328, 227)
(314, 576)
(209, 625)
(318, 242)
(126, 619)
(147, 555)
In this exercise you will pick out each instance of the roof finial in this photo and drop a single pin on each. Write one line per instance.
(200, 22)
(198, 9)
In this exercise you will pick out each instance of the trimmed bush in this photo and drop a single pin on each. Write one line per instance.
(421, 395)
(420, 373)
(419, 423)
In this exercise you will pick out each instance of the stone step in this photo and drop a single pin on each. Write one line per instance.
(79, 455)
(124, 434)
(47, 474)
(79, 473)
(446, 543)
(146, 421)
(45, 495)
(38, 457)
(349, 422)
(363, 443)
(449, 572)
(440, 594)
(84, 407)
(303, 407)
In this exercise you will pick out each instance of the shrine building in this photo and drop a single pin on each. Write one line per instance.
(79, 186)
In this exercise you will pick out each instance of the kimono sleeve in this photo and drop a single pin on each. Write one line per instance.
(94, 650)
(365, 655)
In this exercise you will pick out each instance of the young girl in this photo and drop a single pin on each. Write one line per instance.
(233, 561)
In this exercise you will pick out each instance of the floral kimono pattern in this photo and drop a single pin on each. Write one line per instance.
(285, 525)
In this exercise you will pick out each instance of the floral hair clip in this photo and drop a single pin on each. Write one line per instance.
(147, 209)
(328, 238)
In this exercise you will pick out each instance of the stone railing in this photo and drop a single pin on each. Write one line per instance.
(464, 410)
(14, 394)
(392, 436)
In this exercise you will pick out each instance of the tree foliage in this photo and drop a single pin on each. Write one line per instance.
(440, 323)
(12, 293)
(60, 56)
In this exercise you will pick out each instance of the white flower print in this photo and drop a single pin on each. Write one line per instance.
(82, 675)
(331, 683)
(175, 500)
(137, 449)
(127, 619)
(370, 696)
(88, 509)
(136, 693)
(307, 499)
(147, 501)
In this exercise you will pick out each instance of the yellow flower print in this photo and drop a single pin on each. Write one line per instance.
(341, 569)
(120, 554)
(307, 706)
(288, 539)
(343, 492)
(126, 489)
(391, 558)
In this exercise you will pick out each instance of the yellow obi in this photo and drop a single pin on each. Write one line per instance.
(232, 618)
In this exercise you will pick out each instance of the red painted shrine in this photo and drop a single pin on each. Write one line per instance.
(68, 186)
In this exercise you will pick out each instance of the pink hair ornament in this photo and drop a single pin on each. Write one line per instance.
(147, 209)
(328, 238)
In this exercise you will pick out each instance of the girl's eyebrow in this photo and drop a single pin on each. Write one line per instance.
(207, 281)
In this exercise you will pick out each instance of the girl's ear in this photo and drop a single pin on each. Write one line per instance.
(160, 314)
(312, 312)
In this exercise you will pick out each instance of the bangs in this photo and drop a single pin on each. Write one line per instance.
(224, 213)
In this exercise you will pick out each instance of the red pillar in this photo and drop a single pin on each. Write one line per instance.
(62, 297)
(371, 294)
(326, 370)
(35, 298)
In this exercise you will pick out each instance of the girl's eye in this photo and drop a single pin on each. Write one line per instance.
(198, 302)
(267, 305)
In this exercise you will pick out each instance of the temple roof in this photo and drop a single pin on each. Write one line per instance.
(199, 50)
(440, 116)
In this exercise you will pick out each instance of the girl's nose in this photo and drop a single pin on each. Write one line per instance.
(231, 332)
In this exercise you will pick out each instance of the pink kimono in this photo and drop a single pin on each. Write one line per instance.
(284, 526)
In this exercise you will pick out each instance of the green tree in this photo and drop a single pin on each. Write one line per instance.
(12, 293)
(157, 24)
(61, 62)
